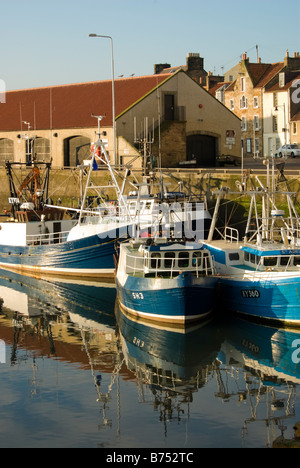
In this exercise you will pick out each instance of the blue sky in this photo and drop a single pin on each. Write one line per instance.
(46, 43)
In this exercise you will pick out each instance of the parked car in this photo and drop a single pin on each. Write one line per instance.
(288, 150)
(228, 159)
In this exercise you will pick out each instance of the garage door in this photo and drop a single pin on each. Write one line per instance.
(203, 148)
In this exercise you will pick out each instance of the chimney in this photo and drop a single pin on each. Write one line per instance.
(159, 67)
(194, 62)
(258, 60)
(245, 56)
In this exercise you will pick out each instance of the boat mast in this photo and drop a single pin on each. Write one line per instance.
(105, 160)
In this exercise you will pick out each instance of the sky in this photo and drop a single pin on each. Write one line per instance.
(46, 43)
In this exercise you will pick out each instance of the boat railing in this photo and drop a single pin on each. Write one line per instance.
(231, 235)
(275, 228)
(137, 265)
(47, 239)
(118, 215)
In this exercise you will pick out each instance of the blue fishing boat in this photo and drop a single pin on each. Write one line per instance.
(162, 281)
(259, 275)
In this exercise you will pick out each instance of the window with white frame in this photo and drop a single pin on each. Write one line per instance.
(243, 103)
(243, 84)
(281, 80)
(249, 145)
(275, 123)
(255, 102)
(256, 122)
(231, 104)
(256, 149)
(244, 124)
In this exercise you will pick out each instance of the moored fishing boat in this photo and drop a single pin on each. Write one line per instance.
(166, 281)
(259, 276)
(38, 237)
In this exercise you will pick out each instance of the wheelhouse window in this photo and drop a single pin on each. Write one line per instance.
(234, 257)
(197, 256)
(183, 259)
(284, 261)
(270, 261)
(155, 260)
(169, 260)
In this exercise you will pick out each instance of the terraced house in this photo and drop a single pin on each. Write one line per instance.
(282, 107)
(244, 96)
(261, 95)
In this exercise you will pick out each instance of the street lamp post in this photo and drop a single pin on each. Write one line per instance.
(113, 88)
(27, 138)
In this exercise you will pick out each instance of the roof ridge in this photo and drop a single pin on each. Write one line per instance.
(86, 83)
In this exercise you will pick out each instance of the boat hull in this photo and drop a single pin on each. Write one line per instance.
(176, 301)
(276, 300)
(88, 257)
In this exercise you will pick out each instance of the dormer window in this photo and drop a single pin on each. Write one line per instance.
(281, 80)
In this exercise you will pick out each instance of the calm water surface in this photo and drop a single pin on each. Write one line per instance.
(76, 372)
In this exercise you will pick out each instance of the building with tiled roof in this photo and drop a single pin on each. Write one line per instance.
(261, 94)
(282, 110)
(244, 96)
(57, 122)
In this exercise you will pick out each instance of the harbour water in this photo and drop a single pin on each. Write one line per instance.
(76, 372)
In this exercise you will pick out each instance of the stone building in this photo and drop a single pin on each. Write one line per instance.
(244, 97)
(180, 120)
(261, 94)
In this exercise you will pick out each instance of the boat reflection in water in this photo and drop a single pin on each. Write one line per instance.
(58, 309)
(172, 363)
(261, 366)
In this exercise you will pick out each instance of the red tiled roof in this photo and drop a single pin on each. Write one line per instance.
(272, 71)
(231, 86)
(296, 117)
(217, 86)
(73, 105)
(256, 71)
(288, 84)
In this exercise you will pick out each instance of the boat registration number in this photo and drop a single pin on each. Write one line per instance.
(250, 293)
(137, 295)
